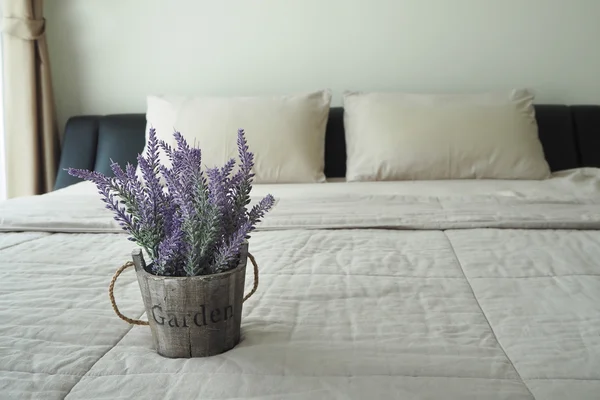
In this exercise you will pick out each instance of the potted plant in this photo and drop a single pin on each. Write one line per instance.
(193, 225)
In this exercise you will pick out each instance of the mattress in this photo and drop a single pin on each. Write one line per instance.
(383, 290)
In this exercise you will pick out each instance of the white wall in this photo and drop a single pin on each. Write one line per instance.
(107, 55)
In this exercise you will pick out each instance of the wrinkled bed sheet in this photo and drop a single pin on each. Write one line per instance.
(387, 290)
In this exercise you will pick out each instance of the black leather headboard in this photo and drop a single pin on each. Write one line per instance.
(570, 136)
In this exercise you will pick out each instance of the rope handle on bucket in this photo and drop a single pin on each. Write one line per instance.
(128, 264)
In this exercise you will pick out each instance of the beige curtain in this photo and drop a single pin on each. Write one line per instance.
(31, 134)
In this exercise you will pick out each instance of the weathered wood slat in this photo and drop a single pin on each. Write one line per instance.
(196, 316)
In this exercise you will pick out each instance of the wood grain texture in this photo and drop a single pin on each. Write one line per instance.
(196, 316)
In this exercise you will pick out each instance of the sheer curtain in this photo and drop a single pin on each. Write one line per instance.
(2, 146)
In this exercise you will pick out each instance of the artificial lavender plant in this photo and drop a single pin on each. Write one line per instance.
(189, 222)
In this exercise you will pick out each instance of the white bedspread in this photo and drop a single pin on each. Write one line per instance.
(465, 290)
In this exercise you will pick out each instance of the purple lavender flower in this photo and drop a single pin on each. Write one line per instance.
(229, 250)
(241, 185)
(171, 249)
(219, 187)
(259, 210)
(188, 225)
(107, 188)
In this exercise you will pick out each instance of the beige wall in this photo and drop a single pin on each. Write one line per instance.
(108, 54)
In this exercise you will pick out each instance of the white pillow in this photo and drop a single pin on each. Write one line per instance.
(395, 136)
(285, 133)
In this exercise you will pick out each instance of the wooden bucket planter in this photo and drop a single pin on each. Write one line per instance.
(196, 316)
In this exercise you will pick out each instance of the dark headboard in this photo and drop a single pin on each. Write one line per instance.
(570, 136)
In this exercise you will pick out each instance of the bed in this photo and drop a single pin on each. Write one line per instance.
(462, 289)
